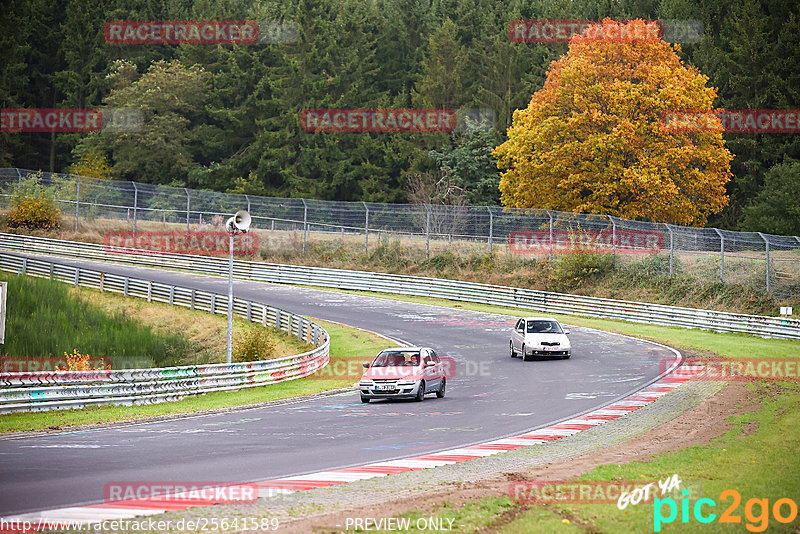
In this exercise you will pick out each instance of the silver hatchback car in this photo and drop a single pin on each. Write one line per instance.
(539, 337)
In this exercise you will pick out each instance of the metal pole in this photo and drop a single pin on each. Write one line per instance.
(305, 223)
(427, 231)
(135, 203)
(77, 200)
(187, 209)
(366, 228)
(721, 256)
(766, 244)
(671, 250)
(550, 255)
(247, 198)
(613, 239)
(491, 229)
(230, 297)
(19, 180)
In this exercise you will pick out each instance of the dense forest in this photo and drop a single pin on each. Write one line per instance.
(227, 117)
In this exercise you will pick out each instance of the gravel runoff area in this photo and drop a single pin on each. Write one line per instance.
(297, 510)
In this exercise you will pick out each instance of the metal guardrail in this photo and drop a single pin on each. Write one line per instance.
(45, 390)
(776, 327)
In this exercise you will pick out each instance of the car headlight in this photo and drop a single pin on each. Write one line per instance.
(406, 382)
(365, 383)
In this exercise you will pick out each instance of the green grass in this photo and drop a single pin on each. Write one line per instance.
(44, 319)
(758, 457)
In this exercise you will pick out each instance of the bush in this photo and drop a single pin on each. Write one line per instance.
(572, 270)
(252, 345)
(35, 213)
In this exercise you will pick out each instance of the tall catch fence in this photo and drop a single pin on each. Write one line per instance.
(762, 261)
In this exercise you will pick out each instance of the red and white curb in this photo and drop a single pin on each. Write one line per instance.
(126, 509)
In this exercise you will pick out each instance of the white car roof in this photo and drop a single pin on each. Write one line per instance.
(540, 319)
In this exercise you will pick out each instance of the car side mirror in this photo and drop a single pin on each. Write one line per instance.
(366, 365)
(566, 331)
(430, 364)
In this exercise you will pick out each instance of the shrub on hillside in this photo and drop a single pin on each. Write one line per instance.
(253, 344)
(34, 213)
(570, 271)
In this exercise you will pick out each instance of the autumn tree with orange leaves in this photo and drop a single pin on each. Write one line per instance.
(590, 140)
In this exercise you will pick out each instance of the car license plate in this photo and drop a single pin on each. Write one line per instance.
(384, 387)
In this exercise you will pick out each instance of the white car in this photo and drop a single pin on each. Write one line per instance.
(539, 336)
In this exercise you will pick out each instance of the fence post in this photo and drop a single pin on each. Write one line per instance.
(721, 256)
(366, 228)
(19, 180)
(188, 206)
(491, 229)
(305, 223)
(247, 198)
(671, 250)
(613, 240)
(766, 245)
(427, 231)
(77, 200)
(135, 204)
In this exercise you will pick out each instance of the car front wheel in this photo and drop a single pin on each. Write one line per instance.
(364, 399)
(511, 349)
(525, 355)
(420, 392)
(440, 393)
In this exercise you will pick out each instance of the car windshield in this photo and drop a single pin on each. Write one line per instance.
(397, 359)
(544, 327)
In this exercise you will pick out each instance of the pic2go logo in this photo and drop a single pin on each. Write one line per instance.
(756, 523)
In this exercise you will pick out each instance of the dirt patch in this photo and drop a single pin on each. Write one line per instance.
(698, 426)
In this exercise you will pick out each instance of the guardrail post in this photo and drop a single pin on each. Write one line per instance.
(51, 270)
(427, 231)
(305, 223)
(491, 229)
(149, 291)
(550, 255)
(191, 302)
(278, 319)
(102, 281)
(213, 304)
(671, 250)
(264, 315)
(19, 180)
(77, 274)
(24, 269)
(125, 288)
(366, 228)
(77, 200)
(171, 295)
(721, 256)
(766, 245)
(247, 198)
(249, 311)
(135, 205)
(188, 206)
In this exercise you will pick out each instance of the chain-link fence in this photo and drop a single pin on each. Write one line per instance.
(768, 262)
